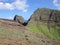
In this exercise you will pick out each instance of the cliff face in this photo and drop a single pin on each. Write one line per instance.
(50, 17)
(45, 22)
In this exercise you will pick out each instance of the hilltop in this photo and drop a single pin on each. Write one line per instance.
(43, 28)
(46, 22)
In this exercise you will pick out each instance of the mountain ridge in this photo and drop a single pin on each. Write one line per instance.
(45, 22)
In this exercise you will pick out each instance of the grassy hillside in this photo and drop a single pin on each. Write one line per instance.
(42, 29)
(46, 22)
(12, 33)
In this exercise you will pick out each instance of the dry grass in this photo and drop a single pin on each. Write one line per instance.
(13, 33)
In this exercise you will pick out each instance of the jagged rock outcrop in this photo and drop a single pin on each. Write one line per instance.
(50, 17)
(19, 19)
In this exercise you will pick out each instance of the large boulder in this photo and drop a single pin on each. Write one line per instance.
(19, 19)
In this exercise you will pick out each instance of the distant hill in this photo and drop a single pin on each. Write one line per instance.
(43, 28)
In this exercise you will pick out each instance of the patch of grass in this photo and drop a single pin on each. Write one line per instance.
(42, 29)
(35, 39)
(7, 32)
(35, 29)
(52, 33)
(55, 33)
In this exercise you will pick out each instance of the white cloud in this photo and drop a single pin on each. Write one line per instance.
(55, 2)
(17, 4)
(11, 17)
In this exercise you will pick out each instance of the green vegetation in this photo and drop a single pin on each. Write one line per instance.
(35, 29)
(42, 29)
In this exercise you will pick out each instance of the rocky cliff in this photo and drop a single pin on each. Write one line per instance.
(45, 22)
(50, 17)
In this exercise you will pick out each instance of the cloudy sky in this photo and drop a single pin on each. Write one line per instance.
(9, 8)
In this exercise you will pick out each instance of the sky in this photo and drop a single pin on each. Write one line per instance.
(25, 8)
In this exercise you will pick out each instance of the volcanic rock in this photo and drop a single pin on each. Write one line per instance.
(19, 19)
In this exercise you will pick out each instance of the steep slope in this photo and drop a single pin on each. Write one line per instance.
(13, 33)
(43, 29)
(46, 22)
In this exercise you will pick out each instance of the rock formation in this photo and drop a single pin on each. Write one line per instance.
(19, 19)
(50, 17)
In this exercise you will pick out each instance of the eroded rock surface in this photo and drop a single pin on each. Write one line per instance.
(50, 17)
(19, 19)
